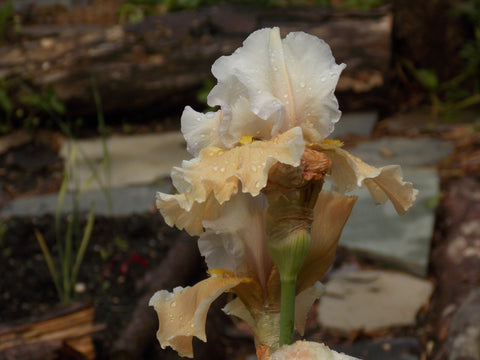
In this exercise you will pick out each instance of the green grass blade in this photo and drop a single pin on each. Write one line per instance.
(84, 243)
(48, 259)
(67, 259)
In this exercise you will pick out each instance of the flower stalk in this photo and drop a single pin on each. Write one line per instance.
(288, 243)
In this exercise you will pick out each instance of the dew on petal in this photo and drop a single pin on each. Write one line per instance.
(215, 168)
(302, 84)
(253, 168)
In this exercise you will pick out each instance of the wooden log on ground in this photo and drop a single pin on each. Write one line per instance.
(180, 266)
(68, 329)
(161, 62)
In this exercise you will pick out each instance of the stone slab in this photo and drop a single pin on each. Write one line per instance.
(125, 201)
(376, 230)
(134, 159)
(372, 300)
(355, 123)
(403, 151)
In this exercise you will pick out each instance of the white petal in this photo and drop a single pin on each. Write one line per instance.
(201, 130)
(289, 83)
(313, 75)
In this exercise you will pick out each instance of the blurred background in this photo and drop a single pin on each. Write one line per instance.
(91, 94)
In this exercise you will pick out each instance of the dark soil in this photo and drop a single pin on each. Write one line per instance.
(120, 252)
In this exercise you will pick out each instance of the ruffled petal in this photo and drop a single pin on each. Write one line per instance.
(219, 171)
(348, 172)
(182, 314)
(303, 303)
(235, 241)
(308, 350)
(313, 75)
(201, 130)
(237, 308)
(289, 83)
(330, 215)
(184, 213)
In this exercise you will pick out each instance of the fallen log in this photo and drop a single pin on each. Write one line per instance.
(160, 63)
(178, 268)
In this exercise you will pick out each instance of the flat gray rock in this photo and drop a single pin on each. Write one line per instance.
(134, 159)
(376, 230)
(399, 241)
(372, 300)
(125, 201)
(403, 151)
(355, 123)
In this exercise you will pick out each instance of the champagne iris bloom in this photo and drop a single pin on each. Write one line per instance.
(266, 145)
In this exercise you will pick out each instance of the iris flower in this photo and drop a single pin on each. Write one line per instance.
(260, 167)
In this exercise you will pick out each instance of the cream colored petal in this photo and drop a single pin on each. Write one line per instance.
(289, 82)
(184, 213)
(237, 308)
(182, 314)
(201, 130)
(308, 350)
(220, 171)
(236, 240)
(303, 304)
(330, 214)
(384, 183)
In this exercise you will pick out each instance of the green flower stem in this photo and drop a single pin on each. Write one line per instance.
(287, 310)
(288, 248)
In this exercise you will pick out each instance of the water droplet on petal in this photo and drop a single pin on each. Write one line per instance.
(257, 184)
(222, 169)
(173, 304)
(215, 168)
(302, 84)
(253, 168)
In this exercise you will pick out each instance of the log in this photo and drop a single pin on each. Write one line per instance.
(69, 329)
(178, 268)
(159, 64)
